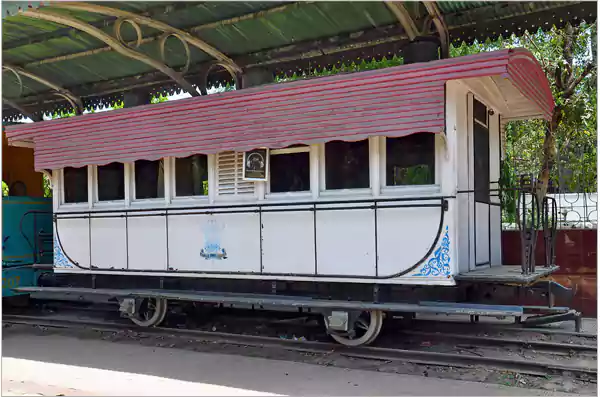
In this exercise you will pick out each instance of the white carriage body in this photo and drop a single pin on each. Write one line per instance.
(419, 234)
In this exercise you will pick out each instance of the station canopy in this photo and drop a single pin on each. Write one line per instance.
(65, 55)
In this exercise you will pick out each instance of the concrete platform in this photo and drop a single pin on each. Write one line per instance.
(505, 274)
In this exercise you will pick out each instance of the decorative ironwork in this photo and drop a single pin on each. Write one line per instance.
(152, 23)
(406, 20)
(115, 43)
(440, 25)
(73, 99)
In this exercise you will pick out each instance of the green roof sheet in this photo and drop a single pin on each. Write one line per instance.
(284, 37)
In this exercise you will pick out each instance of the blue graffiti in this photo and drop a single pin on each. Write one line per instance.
(212, 241)
(60, 259)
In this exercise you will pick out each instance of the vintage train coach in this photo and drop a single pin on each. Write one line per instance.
(333, 186)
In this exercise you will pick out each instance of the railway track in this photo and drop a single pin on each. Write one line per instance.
(586, 371)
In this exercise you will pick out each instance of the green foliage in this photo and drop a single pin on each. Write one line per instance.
(159, 99)
(576, 135)
(415, 175)
(47, 186)
(4, 189)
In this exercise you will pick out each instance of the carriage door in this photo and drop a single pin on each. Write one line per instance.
(480, 171)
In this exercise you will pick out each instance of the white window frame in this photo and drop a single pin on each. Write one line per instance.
(83, 204)
(410, 190)
(96, 189)
(167, 182)
(292, 195)
(191, 200)
(357, 193)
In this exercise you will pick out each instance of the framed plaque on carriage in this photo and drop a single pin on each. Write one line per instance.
(256, 165)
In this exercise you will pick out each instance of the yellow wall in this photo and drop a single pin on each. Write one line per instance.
(17, 165)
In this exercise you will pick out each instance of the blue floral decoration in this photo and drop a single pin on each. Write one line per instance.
(60, 259)
(439, 264)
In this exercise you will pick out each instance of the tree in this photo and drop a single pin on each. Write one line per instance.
(572, 71)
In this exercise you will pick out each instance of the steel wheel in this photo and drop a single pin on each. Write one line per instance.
(364, 331)
(151, 312)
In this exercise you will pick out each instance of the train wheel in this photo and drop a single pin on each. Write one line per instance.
(151, 312)
(364, 331)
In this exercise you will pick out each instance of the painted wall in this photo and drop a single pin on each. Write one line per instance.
(17, 165)
(576, 254)
(317, 235)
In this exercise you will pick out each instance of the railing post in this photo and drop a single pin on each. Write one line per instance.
(528, 229)
(550, 222)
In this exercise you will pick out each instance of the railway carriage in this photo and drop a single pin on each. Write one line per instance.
(349, 196)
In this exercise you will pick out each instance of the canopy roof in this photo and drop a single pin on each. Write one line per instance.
(391, 102)
(69, 58)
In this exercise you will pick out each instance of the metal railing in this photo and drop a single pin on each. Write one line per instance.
(533, 215)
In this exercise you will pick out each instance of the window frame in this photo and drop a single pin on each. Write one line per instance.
(358, 192)
(300, 194)
(428, 189)
(62, 195)
(96, 188)
(173, 184)
(166, 183)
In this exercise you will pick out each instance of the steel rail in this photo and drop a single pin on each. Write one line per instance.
(373, 353)
(425, 325)
(501, 341)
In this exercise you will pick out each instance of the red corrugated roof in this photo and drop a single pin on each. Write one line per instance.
(389, 102)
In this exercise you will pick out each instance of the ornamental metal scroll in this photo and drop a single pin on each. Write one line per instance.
(154, 24)
(212, 66)
(73, 99)
(115, 43)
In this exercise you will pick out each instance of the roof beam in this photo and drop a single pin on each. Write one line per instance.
(404, 17)
(42, 37)
(115, 44)
(73, 99)
(440, 25)
(149, 39)
(140, 19)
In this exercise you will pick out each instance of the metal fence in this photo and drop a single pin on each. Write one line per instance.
(575, 211)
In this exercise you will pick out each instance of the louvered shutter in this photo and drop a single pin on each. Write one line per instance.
(229, 175)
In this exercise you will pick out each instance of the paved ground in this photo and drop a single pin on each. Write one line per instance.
(55, 365)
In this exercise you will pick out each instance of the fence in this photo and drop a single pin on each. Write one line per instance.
(575, 211)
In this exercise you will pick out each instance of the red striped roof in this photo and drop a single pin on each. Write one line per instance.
(389, 102)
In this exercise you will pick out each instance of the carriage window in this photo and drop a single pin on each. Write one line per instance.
(410, 160)
(149, 179)
(111, 182)
(347, 165)
(75, 182)
(191, 176)
(290, 170)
